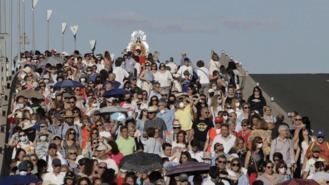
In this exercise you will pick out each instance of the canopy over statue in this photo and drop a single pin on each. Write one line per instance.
(138, 44)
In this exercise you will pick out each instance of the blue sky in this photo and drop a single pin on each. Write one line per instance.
(277, 36)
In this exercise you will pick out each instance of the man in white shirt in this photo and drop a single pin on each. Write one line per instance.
(185, 67)
(203, 74)
(119, 72)
(56, 177)
(53, 153)
(171, 64)
(309, 168)
(225, 138)
(195, 152)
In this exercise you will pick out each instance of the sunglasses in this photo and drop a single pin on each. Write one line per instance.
(244, 125)
(222, 162)
(269, 167)
(235, 164)
(73, 153)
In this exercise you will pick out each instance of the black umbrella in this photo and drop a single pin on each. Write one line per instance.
(189, 167)
(115, 93)
(67, 84)
(19, 179)
(141, 162)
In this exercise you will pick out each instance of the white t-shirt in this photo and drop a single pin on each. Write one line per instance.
(120, 74)
(203, 75)
(51, 178)
(197, 156)
(173, 67)
(183, 68)
(110, 164)
(213, 66)
(163, 78)
(227, 142)
(309, 166)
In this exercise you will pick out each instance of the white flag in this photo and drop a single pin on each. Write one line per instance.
(63, 27)
(34, 3)
(49, 13)
(74, 29)
(92, 44)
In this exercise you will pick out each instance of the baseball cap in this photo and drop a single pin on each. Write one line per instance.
(219, 119)
(320, 134)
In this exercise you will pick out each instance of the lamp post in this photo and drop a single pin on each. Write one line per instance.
(63, 32)
(34, 4)
(49, 13)
(74, 30)
(92, 45)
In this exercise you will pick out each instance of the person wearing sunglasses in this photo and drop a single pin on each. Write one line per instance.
(322, 143)
(237, 174)
(268, 177)
(282, 170)
(71, 160)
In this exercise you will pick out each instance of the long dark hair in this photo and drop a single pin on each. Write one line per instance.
(254, 143)
(188, 155)
(115, 150)
(260, 91)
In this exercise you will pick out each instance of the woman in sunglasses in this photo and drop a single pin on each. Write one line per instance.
(269, 177)
(237, 174)
(71, 142)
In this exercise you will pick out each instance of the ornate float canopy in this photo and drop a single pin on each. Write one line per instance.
(138, 43)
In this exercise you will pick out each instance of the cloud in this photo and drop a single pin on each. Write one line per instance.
(249, 24)
(133, 19)
(183, 24)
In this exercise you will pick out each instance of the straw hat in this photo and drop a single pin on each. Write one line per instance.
(152, 109)
(27, 69)
(18, 114)
(26, 124)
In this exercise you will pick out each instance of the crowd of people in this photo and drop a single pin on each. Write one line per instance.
(182, 111)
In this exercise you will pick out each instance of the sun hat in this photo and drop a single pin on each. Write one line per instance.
(152, 109)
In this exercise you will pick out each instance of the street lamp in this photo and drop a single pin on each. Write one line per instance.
(74, 30)
(63, 31)
(49, 13)
(34, 4)
(92, 45)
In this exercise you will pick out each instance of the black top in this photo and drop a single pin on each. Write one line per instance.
(200, 128)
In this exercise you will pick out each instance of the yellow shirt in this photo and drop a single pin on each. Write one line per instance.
(184, 117)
